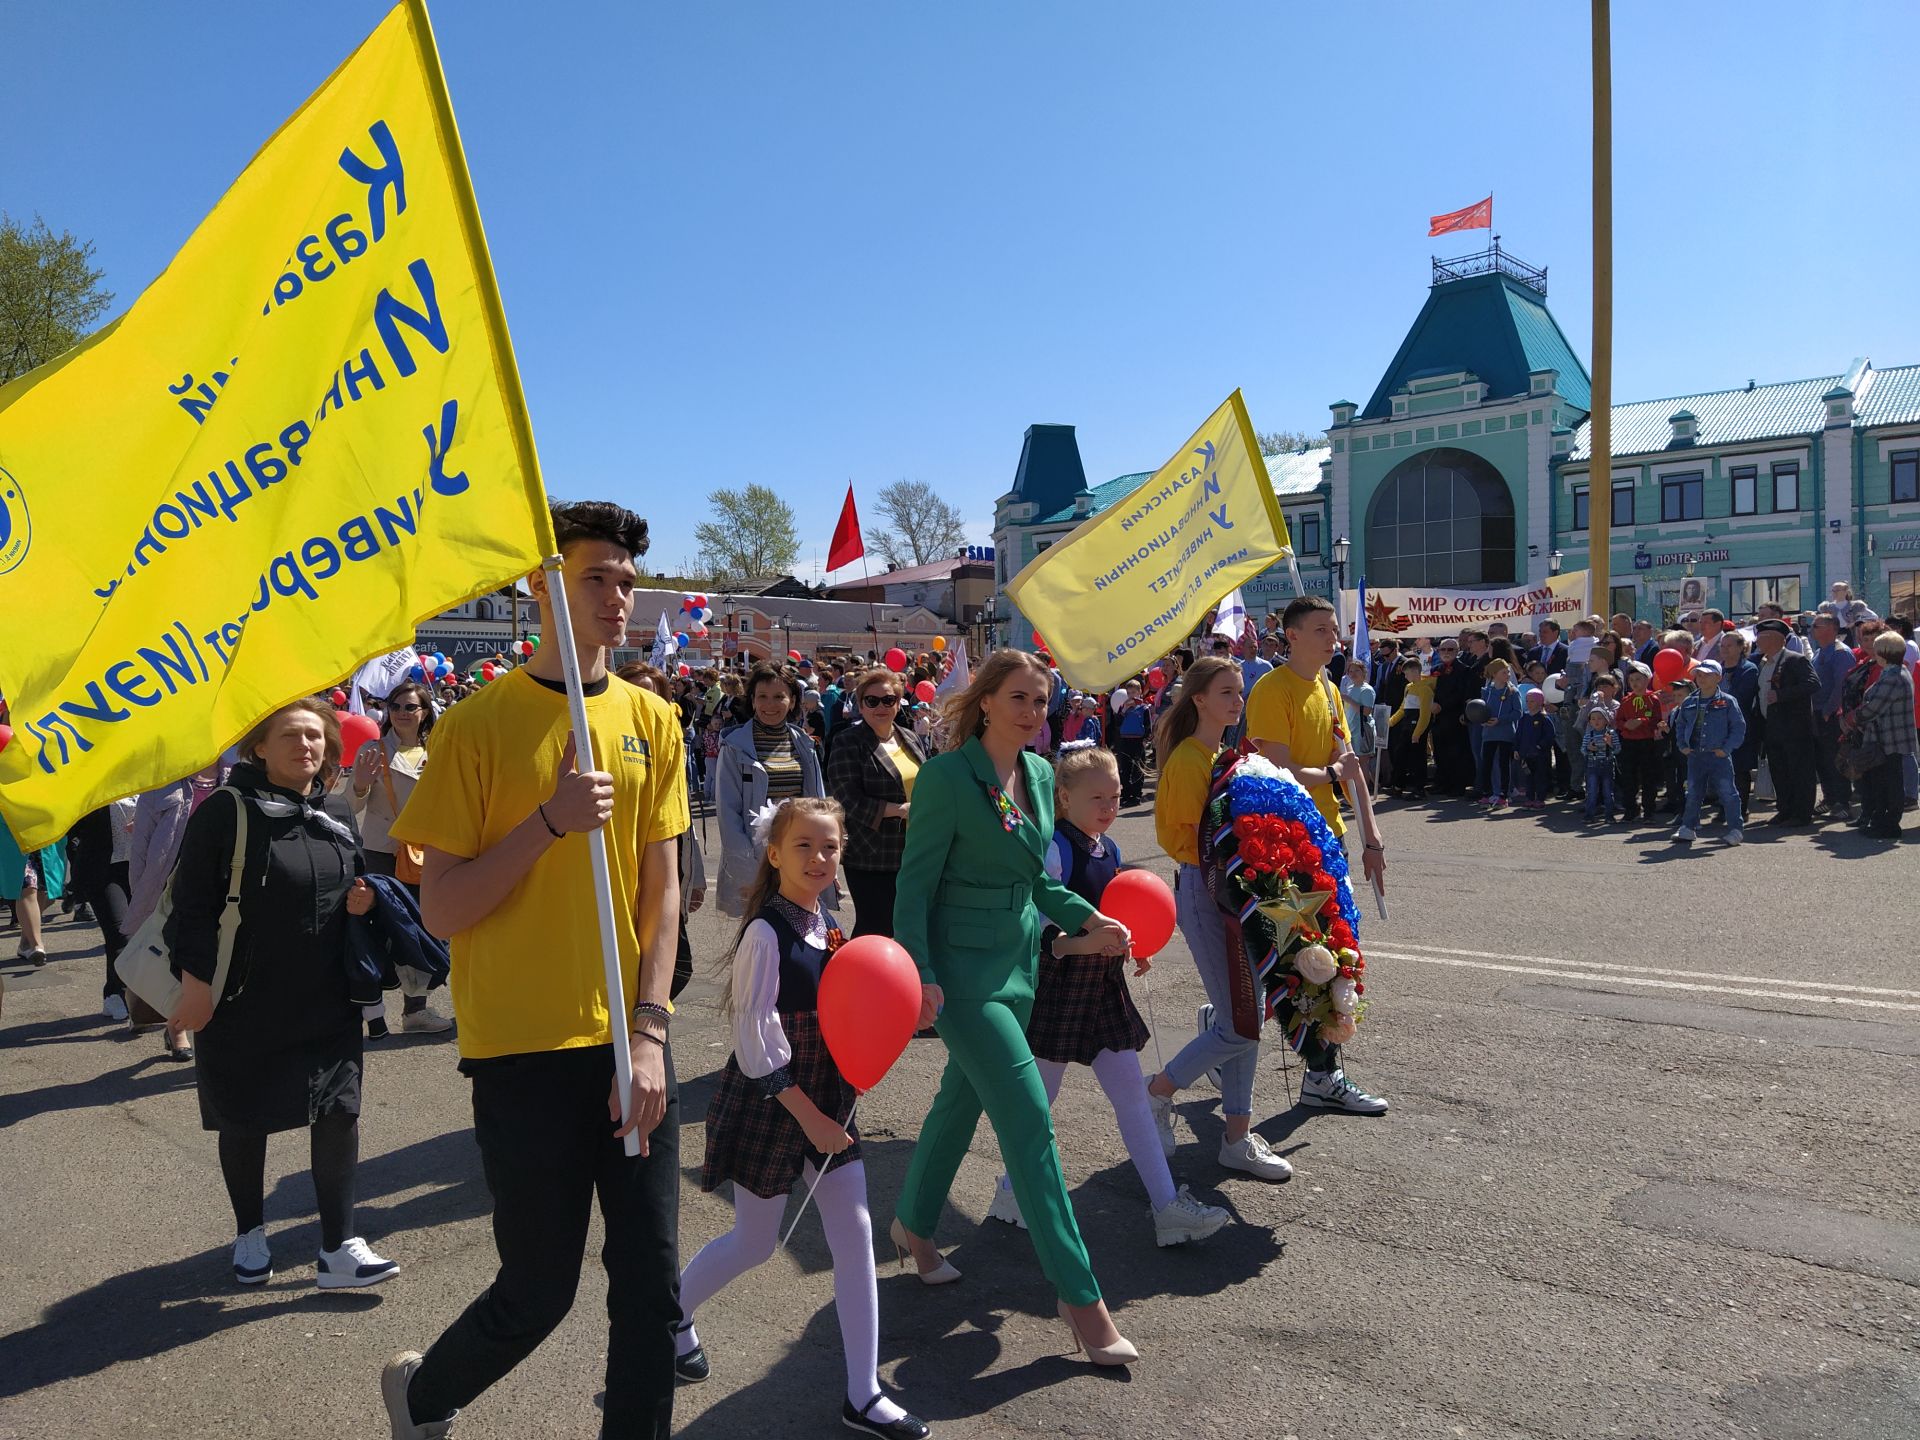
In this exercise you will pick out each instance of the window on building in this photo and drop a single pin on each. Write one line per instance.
(1786, 487)
(1747, 594)
(1906, 475)
(1581, 515)
(1904, 590)
(1746, 486)
(1625, 600)
(1623, 504)
(1442, 517)
(1680, 497)
(1309, 533)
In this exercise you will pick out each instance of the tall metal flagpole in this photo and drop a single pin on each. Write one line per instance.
(1600, 431)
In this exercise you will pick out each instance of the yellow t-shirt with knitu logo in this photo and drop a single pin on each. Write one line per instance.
(529, 977)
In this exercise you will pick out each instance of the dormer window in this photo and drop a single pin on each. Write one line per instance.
(1686, 427)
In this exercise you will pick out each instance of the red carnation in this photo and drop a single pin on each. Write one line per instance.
(1323, 881)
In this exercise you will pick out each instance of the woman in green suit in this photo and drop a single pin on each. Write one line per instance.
(970, 881)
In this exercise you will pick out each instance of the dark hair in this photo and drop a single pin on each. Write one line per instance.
(1554, 623)
(575, 520)
(1301, 607)
(764, 674)
(420, 693)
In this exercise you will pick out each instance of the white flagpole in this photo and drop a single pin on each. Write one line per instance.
(596, 846)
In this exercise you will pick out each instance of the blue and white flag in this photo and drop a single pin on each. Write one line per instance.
(663, 647)
(1230, 618)
(1362, 641)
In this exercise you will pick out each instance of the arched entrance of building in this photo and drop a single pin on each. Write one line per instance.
(1443, 517)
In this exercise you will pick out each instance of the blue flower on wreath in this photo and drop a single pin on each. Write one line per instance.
(1260, 788)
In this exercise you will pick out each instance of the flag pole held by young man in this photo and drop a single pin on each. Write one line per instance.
(516, 402)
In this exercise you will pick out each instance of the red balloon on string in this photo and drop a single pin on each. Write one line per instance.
(1669, 665)
(1141, 901)
(869, 1007)
(794, 655)
(685, 669)
(925, 692)
(338, 698)
(896, 659)
(1156, 679)
(355, 731)
(6, 736)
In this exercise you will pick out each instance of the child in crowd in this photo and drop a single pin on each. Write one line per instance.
(783, 1110)
(1707, 728)
(1083, 1013)
(1133, 719)
(1498, 732)
(1576, 684)
(1407, 732)
(1641, 725)
(1535, 747)
(1600, 749)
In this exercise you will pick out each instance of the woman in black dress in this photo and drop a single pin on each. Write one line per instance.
(282, 1049)
(870, 771)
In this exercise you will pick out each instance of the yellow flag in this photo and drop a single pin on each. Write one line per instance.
(307, 434)
(1132, 582)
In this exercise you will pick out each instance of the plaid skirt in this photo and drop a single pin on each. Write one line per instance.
(1082, 1006)
(751, 1138)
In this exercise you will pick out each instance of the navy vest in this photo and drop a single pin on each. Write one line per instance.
(801, 965)
(1087, 874)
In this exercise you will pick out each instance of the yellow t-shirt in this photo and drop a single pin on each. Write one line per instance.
(902, 760)
(1180, 799)
(529, 976)
(1299, 714)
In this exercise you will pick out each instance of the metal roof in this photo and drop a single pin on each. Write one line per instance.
(1294, 474)
(1892, 398)
(1765, 412)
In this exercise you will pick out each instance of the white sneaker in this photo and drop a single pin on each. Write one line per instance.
(352, 1265)
(1206, 1024)
(1685, 832)
(114, 1008)
(1734, 837)
(1250, 1153)
(1184, 1218)
(252, 1261)
(424, 1022)
(1006, 1205)
(1331, 1090)
(1162, 1107)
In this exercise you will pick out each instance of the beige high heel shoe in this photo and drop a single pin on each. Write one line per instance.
(943, 1274)
(1121, 1352)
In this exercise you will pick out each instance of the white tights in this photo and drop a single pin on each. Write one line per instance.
(842, 1202)
(1118, 1072)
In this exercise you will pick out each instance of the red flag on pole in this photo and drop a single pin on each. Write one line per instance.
(1474, 217)
(847, 546)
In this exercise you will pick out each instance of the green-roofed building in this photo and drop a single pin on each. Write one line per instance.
(1468, 466)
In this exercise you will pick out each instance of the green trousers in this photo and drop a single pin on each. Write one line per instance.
(990, 1066)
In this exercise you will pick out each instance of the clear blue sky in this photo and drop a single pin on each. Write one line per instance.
(797, 243)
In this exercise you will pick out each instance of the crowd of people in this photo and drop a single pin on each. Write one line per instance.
(965, 815)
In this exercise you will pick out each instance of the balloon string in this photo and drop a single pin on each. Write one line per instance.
(819, 1175)
(1153, 1022)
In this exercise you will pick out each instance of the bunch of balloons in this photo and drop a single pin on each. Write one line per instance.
(488, 670)
(524, 648)
(698, 613)
(434, 668)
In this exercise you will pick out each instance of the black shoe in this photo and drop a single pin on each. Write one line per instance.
(692, 1367)
(905, 1428)
(376, 1029)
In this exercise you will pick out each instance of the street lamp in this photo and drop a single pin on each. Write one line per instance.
(1341, 547)
(1554, 561)
(786, 635)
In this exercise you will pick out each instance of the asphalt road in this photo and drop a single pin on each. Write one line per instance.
(1652, 1169)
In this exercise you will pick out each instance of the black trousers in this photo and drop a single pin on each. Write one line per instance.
(1131, 752)
(872, 892)
(1452, 753)
(109, 902)
(1882, 794)
(548, 1149)
(1790, 764)
(1834, 786)
(1407, 758)
(1642, 762)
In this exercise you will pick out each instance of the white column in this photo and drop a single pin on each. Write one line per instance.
(1539, 537)
(1339, 498)
(1836, 465)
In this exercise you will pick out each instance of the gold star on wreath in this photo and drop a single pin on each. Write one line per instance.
(1296, 908)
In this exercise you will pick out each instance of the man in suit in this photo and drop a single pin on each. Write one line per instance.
(1645, 641)
(1787, 688)
(1552, 650)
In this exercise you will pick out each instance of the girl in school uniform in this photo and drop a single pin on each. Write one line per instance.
(781, 1112)
(1083, 1013)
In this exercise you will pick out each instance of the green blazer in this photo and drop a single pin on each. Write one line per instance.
(965, 899)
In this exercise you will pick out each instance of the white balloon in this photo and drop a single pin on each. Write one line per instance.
(1554, 688)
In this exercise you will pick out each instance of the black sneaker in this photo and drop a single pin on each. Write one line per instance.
(907, 1427)
(377, 1029)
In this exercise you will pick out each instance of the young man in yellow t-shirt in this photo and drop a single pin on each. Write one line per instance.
(503, 813)
(1293, 716)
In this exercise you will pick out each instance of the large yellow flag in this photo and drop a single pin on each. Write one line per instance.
(1134, 580)
(307, 434)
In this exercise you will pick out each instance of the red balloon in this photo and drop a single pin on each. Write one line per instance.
(1156, 679)
(925, 692)
(355, 731)
(869, 1007)
(896, 659)
(794, 655)
(6, 736)
(338, 698)
(1141, 901)
(685, 669)
(1669, 665)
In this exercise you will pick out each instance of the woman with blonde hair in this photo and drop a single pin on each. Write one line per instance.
(280, 1047)
(972, 890)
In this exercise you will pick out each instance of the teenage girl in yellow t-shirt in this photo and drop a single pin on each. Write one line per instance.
(1188, 739)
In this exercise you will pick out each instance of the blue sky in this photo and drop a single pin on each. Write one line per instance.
(805, 242)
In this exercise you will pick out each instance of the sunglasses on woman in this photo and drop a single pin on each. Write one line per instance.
(407, 709)
(879, 702)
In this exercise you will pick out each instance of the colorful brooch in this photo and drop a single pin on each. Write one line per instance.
(1009, 812)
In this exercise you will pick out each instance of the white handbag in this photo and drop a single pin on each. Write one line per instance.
(146, 965)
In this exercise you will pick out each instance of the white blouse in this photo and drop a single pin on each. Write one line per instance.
(759, 1042)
